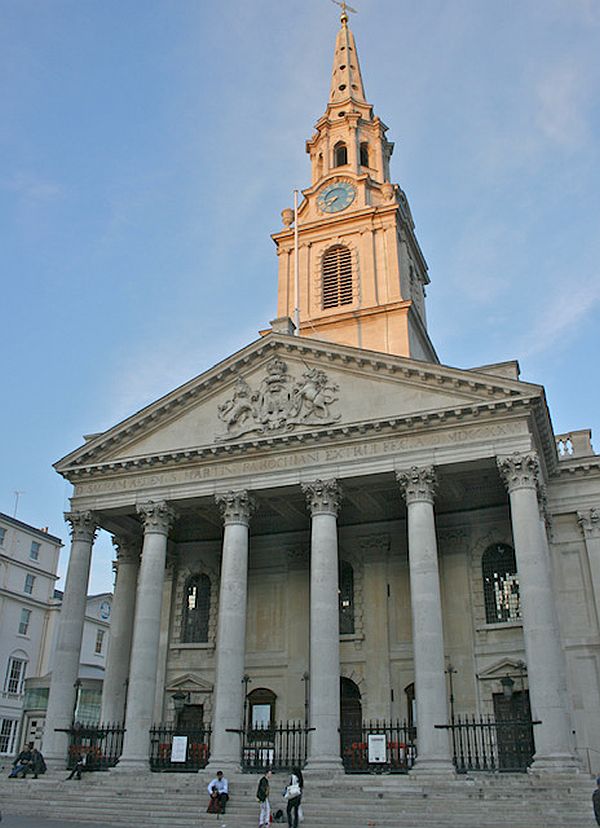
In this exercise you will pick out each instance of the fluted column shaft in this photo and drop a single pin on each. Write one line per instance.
(157, 518)
(589, 522)
(546, 667)
(114, 687)
(65, 664)
(323, 498)
(418, 489)
(236, 508)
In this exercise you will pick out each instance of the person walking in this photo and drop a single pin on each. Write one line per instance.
(596, 801)
(262, 795)
(293, 794)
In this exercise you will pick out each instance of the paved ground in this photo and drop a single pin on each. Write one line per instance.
(38, 822)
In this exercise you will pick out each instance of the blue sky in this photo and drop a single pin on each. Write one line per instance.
(147, 148)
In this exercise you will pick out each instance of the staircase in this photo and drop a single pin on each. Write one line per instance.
(476, 801)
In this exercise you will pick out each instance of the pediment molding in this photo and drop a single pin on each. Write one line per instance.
(191, 683)
(487, 394)
(504, 667)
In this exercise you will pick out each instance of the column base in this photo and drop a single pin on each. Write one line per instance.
(228, 766)
(555, 763)
(433, 766)
(133, 764)
(324, 766)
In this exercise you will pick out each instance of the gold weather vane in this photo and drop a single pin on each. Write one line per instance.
(345, 9)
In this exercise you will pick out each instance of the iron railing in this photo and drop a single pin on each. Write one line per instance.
(279, 746)
(482, 743)
(161, 743)
(98, 745)
(400, 746)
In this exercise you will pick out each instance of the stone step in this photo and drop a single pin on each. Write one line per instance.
(156, 800)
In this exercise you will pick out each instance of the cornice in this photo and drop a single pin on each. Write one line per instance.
(514, 394)
(482, 412)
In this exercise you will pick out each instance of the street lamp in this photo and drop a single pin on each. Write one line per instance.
(507, 687)
(450, 671)
(179, 700)
(306, 679)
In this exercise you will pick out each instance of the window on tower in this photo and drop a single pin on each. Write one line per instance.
(364, 154)
(337, 277)
(340, 154)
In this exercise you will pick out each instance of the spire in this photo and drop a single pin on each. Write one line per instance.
(346, 79)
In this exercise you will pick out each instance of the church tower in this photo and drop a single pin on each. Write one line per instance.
(361, 272)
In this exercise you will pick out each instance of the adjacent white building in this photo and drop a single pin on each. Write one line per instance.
(28, 573)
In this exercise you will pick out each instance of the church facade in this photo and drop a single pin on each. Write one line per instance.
(330, 523)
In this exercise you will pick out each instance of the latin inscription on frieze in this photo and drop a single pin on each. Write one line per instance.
(295, 460)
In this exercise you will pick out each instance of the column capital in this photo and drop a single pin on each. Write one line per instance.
(519, 471)
(128, 548)
(157, 517)
(236, 507)
(84, 525)
(418, 484)
(589, 521)
(324, 497)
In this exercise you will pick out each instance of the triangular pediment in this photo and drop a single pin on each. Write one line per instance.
(283, 387)
(189, 683)
(500, 669)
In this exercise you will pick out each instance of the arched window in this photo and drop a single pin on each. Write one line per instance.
(346, 590)
(500, 584)
(340, 154)
(196, 609)
(337, 277)
(364, 154)
(261, 709)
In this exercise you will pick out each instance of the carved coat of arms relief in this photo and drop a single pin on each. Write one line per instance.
(280, 403)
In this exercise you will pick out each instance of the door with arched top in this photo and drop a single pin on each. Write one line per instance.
(353, 745)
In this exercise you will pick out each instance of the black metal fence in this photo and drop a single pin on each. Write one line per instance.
(99, 746)
(400, 748)
(481, 743)
(279, 746)
(197, 748)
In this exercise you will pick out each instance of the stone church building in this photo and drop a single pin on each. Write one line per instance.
(330, 523)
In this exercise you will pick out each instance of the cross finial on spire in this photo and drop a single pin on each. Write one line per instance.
(345, 9)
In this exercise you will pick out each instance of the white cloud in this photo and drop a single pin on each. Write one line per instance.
(560, 318)
(562, 97)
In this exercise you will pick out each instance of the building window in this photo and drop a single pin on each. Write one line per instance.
(337, 277)
(8, 732)
(34, 552)
(2, 536)
(261, 709)
(346, 592)
(196, 609)
(500, 584)
(340, 154)
(24, 622)
(364, 154)
(99, 641)
(29, 582)
(15, 676)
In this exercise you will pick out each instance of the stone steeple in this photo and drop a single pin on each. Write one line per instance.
(346, 79)
(361, 272)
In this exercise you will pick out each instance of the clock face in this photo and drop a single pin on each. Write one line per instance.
(105, 610)
(336, 197)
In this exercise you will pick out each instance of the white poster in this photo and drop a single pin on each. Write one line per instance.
(377, 752)
(179, 749)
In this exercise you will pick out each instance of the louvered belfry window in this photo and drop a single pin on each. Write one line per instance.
(337, 277)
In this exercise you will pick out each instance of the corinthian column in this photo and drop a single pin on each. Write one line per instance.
(323, 497)
(65, 665)
(554, 750)
(114, 690)
(418, 487)
(236, 508)
(589, 522)
(157, 519)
